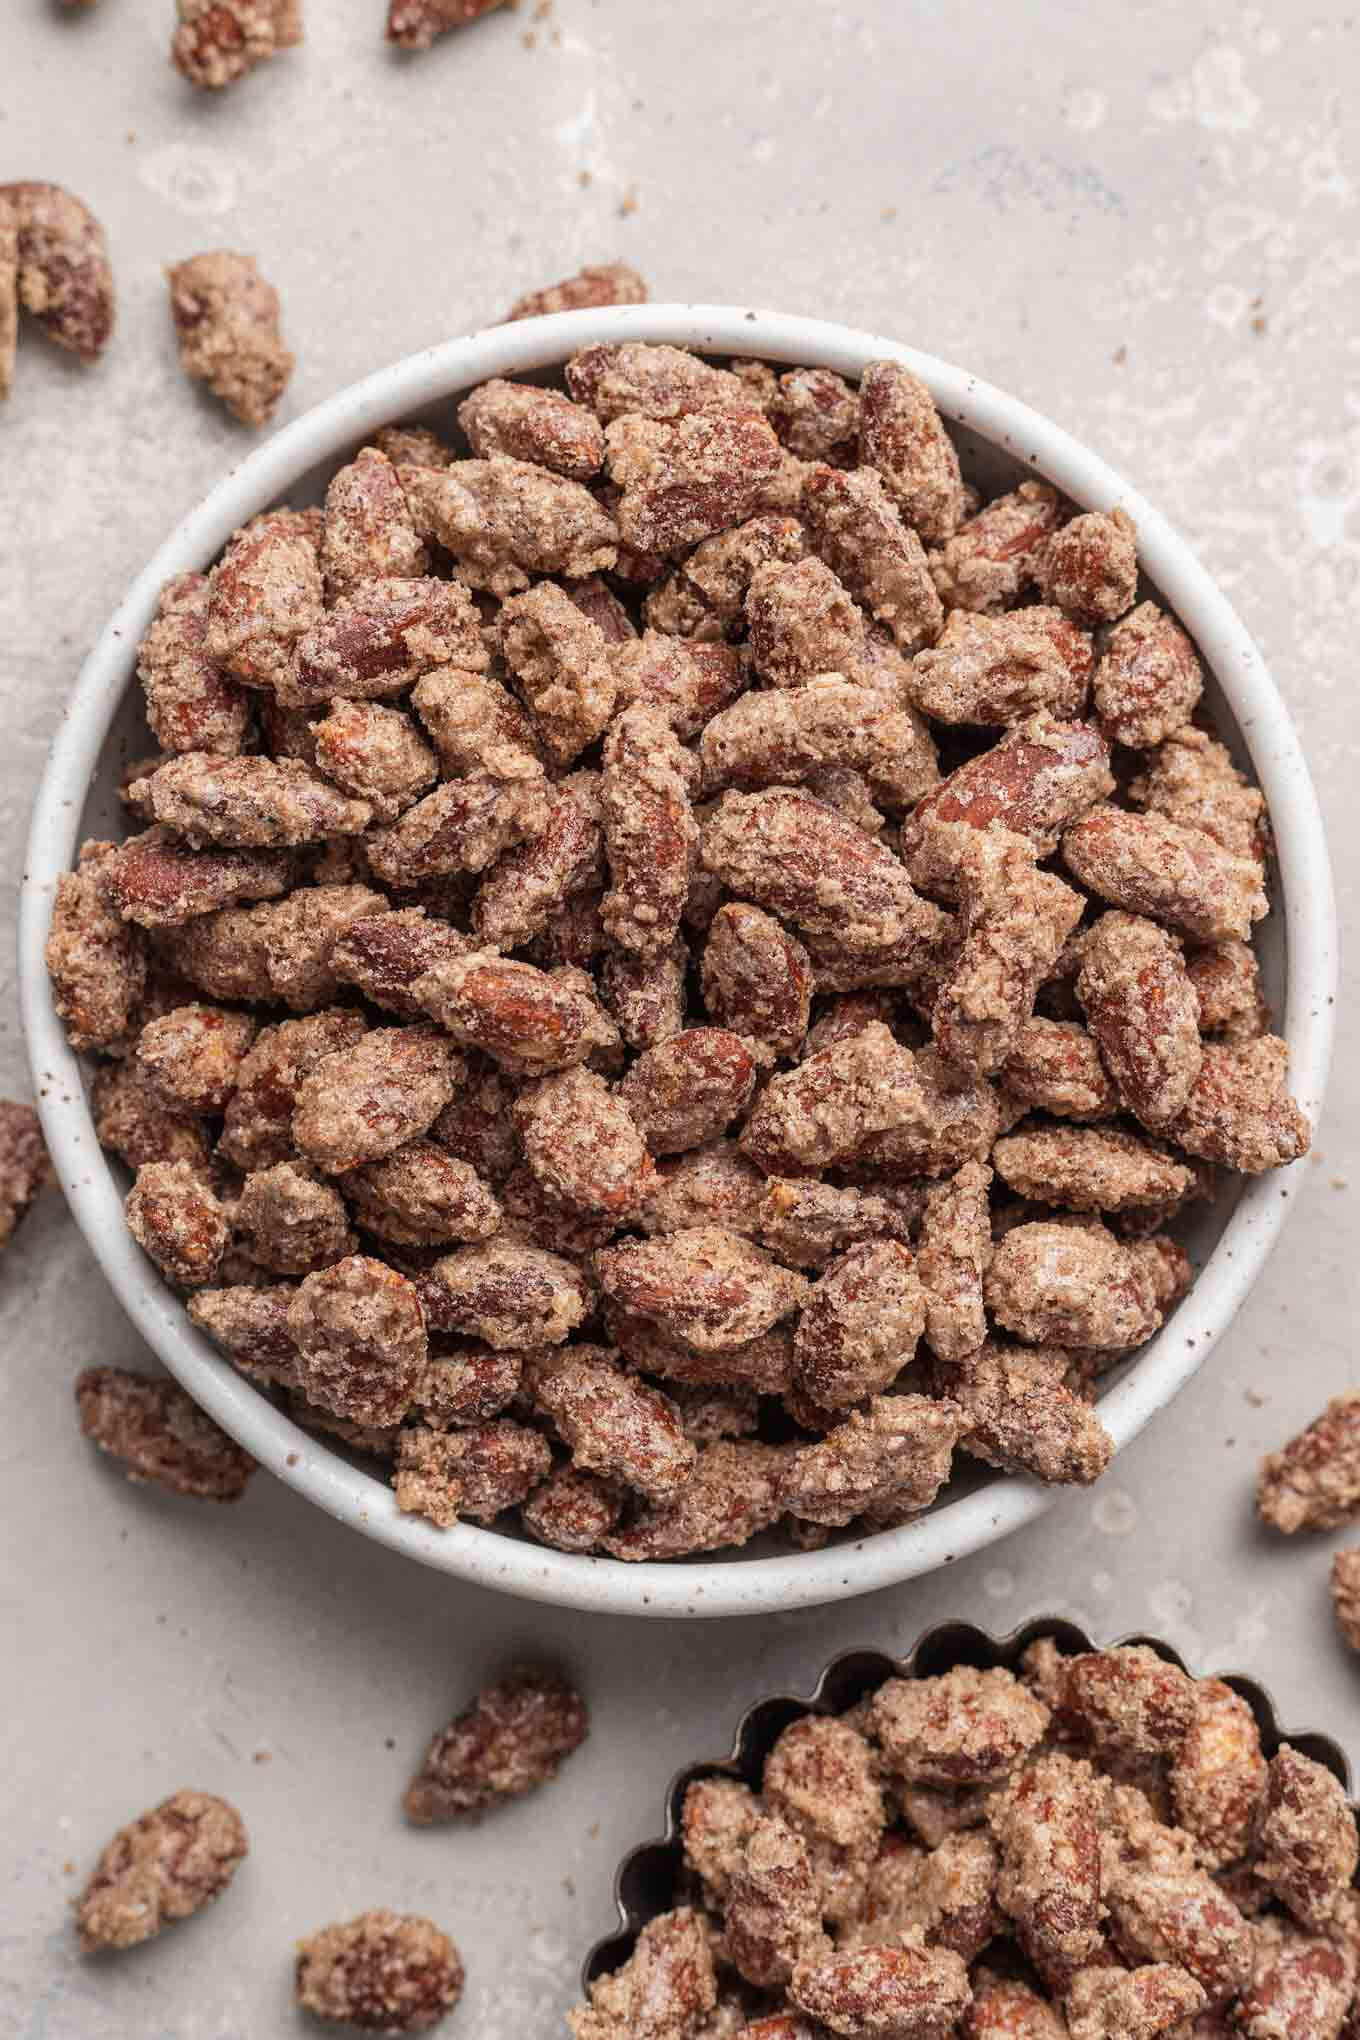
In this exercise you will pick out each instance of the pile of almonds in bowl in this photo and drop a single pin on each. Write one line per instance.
(675, 969)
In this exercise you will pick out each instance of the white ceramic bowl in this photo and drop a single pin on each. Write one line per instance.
(1000, 439)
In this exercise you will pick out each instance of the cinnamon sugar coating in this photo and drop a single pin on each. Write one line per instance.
(1313, 1483)
(369, 535)
(55, 264)
(218, 41)
(96, 962)
(909, 1992)
(857, 530)
(191, 704)
(360, 1336)
(1307, 1843)
(662, 1992)
(635, 379)
(158, 881)
(257, 1125)
(159, 1435)
(264, 596)
(1090, 567)
(686, 681)
(1143, 1011)
(227, 321)
(175, 1218)
(584, 1144)
(1218, 1774)
(1149, 865)
(1071, 1286)
(1035, 781)
(379, 637)
(805, 1222)
(778, 738)
(989, 561)
(251, 803)
(1345, 1590)
(1149, 681)
(503, 520)
(479, 1471)
(163, 1867)
(599, 283)
(383, 1972)
(888, 1460)
(902, 436)
(512, 1739)
(24, 1166)
(375, 754)
(998, 670)
(683, 479)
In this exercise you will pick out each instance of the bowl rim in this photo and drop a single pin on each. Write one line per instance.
(486, 1557)
(951, 1641)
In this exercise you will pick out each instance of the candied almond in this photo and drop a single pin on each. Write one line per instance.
(1126, 1702)
(583, 1144)
(733, 1494)
(257, 1127)
(97, 963)
(1192, 780)
(646, 995)
(289, 1222)
(1345, 1589)
(1239, 1111)
(163, 1867)
(363, 1102)
(681, 481)
(1313, 1483)
(1090, 1169)
(902, 436)
(773, 1917)
(527, 423)
(191, 705)
(464, 825)
(158, 881)
(61, 272)
(378, 638)
(1020, 1415)
(530, 1021)
(173, 1215)
(705, 1285)
(250, 802)
(1090, 567)
(507, 1293)
(368, 534)
(251, 1326)
(376, 754)
(860, 1326)
(360, 1337)
(806, 1222)
(716, 1819)
(503, 520)
(1035, 781)
(598, 283)
(1047, 1824)
(512, 1739)
(191, 1057)
(998, 670)
(635, 379)
(24, 1166)
(1307, 1845)
(955, 1250)
(816, 414)
(857, 529)
(1070, 1285)
(909, 1991)
(989, 561)
(160, 1435)
(571, 1511)
(1137, 2004)
(524, 888)
(227, 321)
(1149, 682)
(561, 664)
(1149, 865)
(649, 829)
(1218, 1774)
(478, 1471)
(388, 1972)
(687, 1090)
(892, 1456)
(802, 620)
(663, 1991)
(264, 595)
(688, 683)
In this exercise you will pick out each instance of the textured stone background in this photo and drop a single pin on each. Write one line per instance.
(1143, 219)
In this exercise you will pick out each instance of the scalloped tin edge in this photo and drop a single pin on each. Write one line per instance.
(644, 1884)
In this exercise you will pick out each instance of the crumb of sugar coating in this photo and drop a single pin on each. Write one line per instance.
(227, 321)
(599, 283)
(159, 1436)
(478, 1471)
(1345, 1589)
(218, 41)
(1313, 1483)
(163, 1867)
(388, 1972)
(512, 1739)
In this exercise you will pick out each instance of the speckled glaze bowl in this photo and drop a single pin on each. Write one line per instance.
(1000, 440)
(650, 1878)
